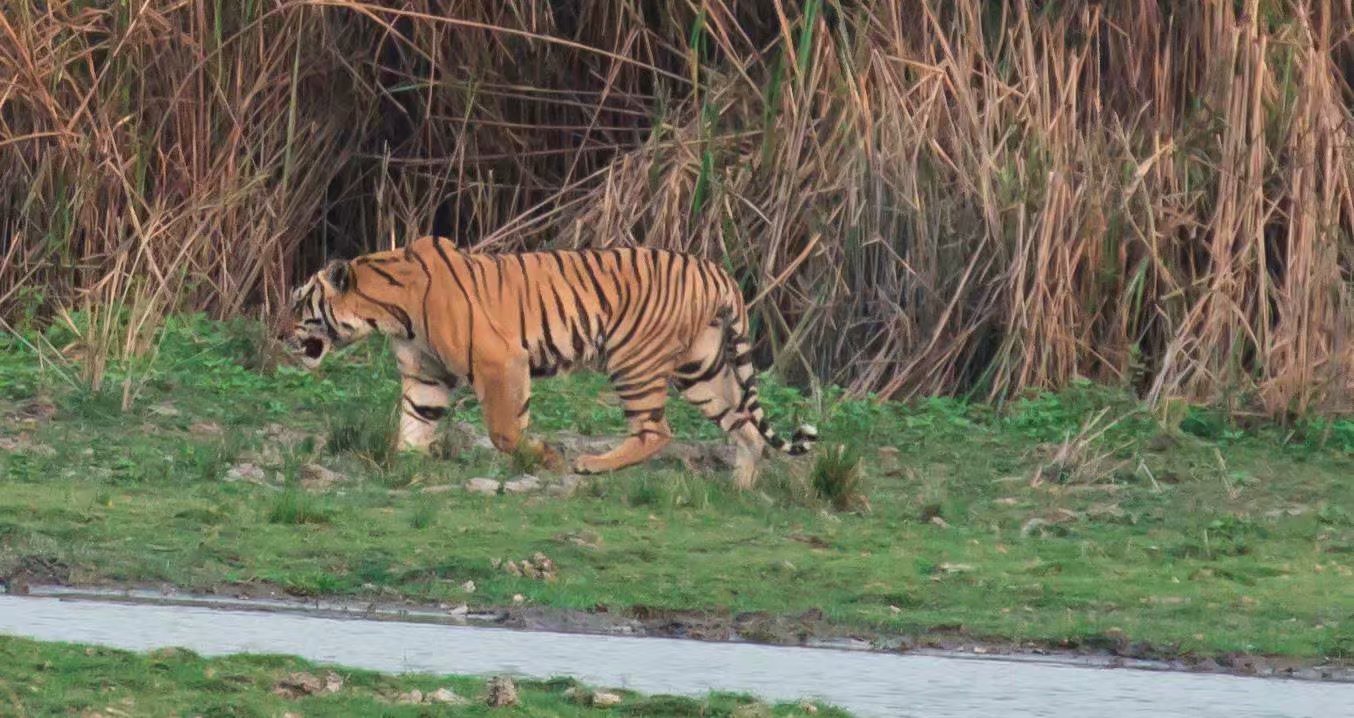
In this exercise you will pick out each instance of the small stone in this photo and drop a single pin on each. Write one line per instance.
(252, 473)
(522, 485)
(295, 685)
(412, 697)
(512, 568)
(603, 699)
(205, 428)
(752, 710)
(447, 696)
(468, 587)
(518, 598)
(165, 409)
(483, 486)
(315, 477)
(502, 692)
(808, 708)
(333, 682)
(460, 611)
(440, 488)
(942, 523)
(565, 487)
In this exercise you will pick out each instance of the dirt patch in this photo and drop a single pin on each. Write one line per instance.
(34, 570)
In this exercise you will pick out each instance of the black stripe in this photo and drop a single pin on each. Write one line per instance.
(427, 290)
(526, 406)
(431, 413)
(470, 311)
(394, 310)
(639, 395)
(596, 283)
(386, 276)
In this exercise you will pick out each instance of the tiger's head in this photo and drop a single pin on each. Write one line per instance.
(344, 303)
(321, 320)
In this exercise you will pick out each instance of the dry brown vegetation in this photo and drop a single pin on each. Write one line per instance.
(919, 195)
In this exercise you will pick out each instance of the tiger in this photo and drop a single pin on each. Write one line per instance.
(649, 318)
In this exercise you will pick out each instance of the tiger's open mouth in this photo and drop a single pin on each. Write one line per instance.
(312, 348)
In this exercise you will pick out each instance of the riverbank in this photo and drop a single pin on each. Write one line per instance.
(1072, 522)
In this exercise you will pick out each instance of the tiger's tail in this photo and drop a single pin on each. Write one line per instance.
(738, 354)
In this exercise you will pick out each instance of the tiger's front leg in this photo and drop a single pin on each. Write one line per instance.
(423, 403)
(425, 397)
(504, 392)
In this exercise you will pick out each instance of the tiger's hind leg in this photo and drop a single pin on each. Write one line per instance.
(712, 386)
(643, 401)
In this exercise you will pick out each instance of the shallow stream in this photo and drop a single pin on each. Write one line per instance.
(866, 683)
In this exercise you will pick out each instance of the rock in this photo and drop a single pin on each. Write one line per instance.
(602, 699)
(460, 611)
(165, 409)
(468, 587)
(482, 486)
(35, 411)
(246, 471)
(315, 477)
(583, 539)
(518, 599)
(295, 685)
(440, 488)
(522, 485)
(446, 696)
(24, 443)
(502, 692)
(412, 697)
(205, 428)
(942, 523)
(752, 710)
(512, 568)
(565, 487)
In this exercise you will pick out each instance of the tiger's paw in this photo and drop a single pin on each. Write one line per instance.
(550, 458)
(588, 465)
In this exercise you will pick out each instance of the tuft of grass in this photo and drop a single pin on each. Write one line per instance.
(297, 507)
(423, 515)
(364, 431)
(837, 478)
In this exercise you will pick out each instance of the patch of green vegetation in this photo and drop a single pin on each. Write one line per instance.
(63, 679)
(1062, 518)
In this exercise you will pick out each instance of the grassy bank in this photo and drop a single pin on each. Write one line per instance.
(1068, 519)
(38, 679)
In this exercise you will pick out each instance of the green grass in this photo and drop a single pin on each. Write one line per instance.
(64, 679)
(1023, 522)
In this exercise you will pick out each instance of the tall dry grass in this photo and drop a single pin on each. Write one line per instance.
(919, 196)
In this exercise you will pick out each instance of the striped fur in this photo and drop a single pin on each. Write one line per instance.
(649, 318)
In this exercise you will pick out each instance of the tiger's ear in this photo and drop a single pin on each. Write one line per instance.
(337, 273)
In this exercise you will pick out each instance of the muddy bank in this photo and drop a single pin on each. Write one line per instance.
(809, 629)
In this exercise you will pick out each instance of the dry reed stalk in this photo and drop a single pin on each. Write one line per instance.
(921, 196)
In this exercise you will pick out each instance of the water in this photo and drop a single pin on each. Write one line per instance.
(868, 684)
